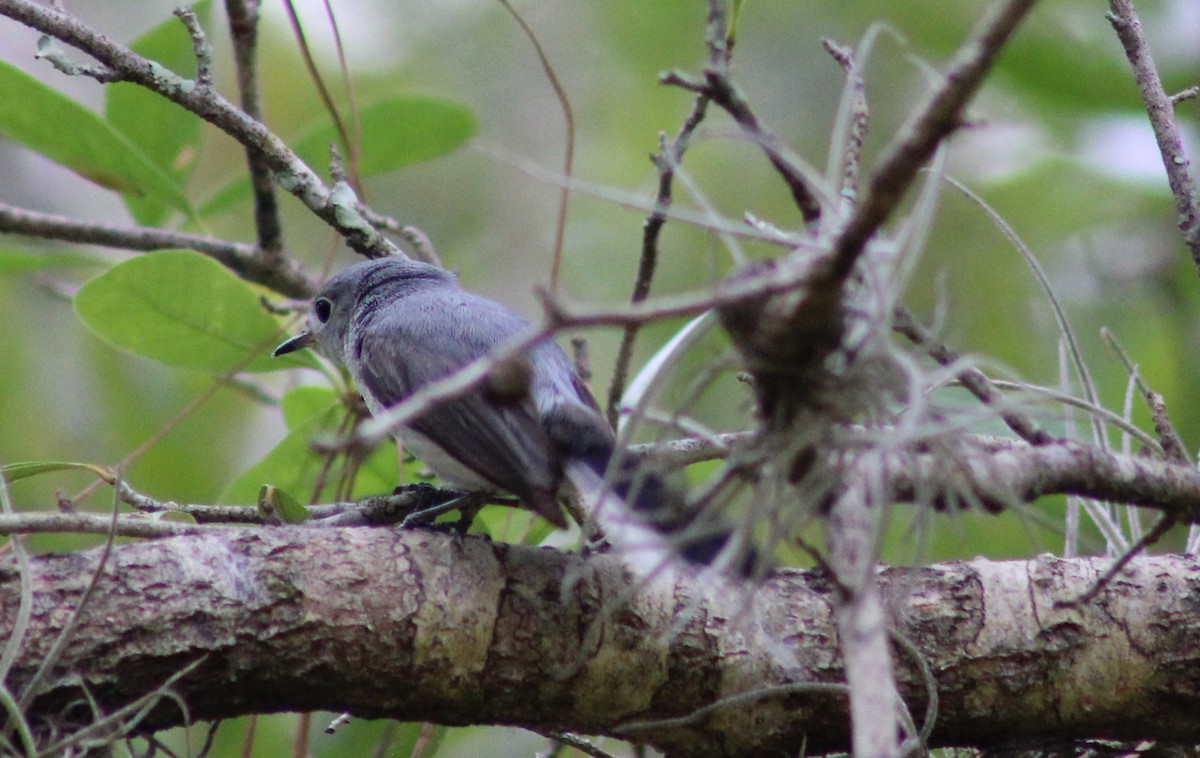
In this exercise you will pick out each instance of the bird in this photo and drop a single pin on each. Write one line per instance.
(532, 425)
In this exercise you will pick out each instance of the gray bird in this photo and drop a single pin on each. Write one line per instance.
(398, 324)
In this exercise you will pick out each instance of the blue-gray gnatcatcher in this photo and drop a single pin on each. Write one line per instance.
(398, 325)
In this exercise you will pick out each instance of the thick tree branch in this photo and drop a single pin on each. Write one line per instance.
(1021, 474)
(421, 625)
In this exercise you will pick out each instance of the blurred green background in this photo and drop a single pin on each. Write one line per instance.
(1057, 144)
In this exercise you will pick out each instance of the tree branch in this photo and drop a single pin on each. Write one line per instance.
(243, 30)
(424, 626)
(852, 539)
(932, 121)
(286, 278)
(339, 210)
(1161, 109)
(665, 161)
(719, 87)
(1021, 474)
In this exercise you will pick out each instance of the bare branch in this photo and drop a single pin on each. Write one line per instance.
(932, 121)
(972, 378)
(291, 173)
(379, 428)
(243, 29)
(1021, 474)
(668, 157)
(1161, 110)
(245, 260)
(719, 87)
(90, 523)
(856, 117)
(200, 47)
(852, 535)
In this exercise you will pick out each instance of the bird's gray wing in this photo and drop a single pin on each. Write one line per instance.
(501, 441)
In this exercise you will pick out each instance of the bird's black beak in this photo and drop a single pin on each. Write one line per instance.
(302, 340)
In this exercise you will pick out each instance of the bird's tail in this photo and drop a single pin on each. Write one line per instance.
(648, 520)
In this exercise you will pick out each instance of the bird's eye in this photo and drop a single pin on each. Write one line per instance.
(322, 308)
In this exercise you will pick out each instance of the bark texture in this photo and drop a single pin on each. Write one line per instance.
(425, 626)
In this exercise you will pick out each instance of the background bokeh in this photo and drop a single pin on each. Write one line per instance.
(1057, 144)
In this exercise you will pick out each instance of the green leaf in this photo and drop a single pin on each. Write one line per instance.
(237, 191)
(50, 123)
(166, 133)
(13, 262)
(293, 465)
(185, 310)
(15, 471)
(303, 403)
(277, 505)
(399, 131)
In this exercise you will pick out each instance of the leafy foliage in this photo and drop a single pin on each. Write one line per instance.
(185, 310)
(31, 112)
(168, 135)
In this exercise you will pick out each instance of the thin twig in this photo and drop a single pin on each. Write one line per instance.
(202, 51)
(291, 173)
(757, 286)
(720, 88)
(1160, 528)
(243, 28)
(564, 104)
(378, 429)
(1097, 412)
(355, 143)
(636, 202)
(88, 523)
(419, 243)
(932, 121)
(972, 378)
(579, 743)
(1173, 446)
(314, 73)
(377, 510)
(668, 157)
(678, 453)
(1161, 110)
(246, 260)
(853, 120)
